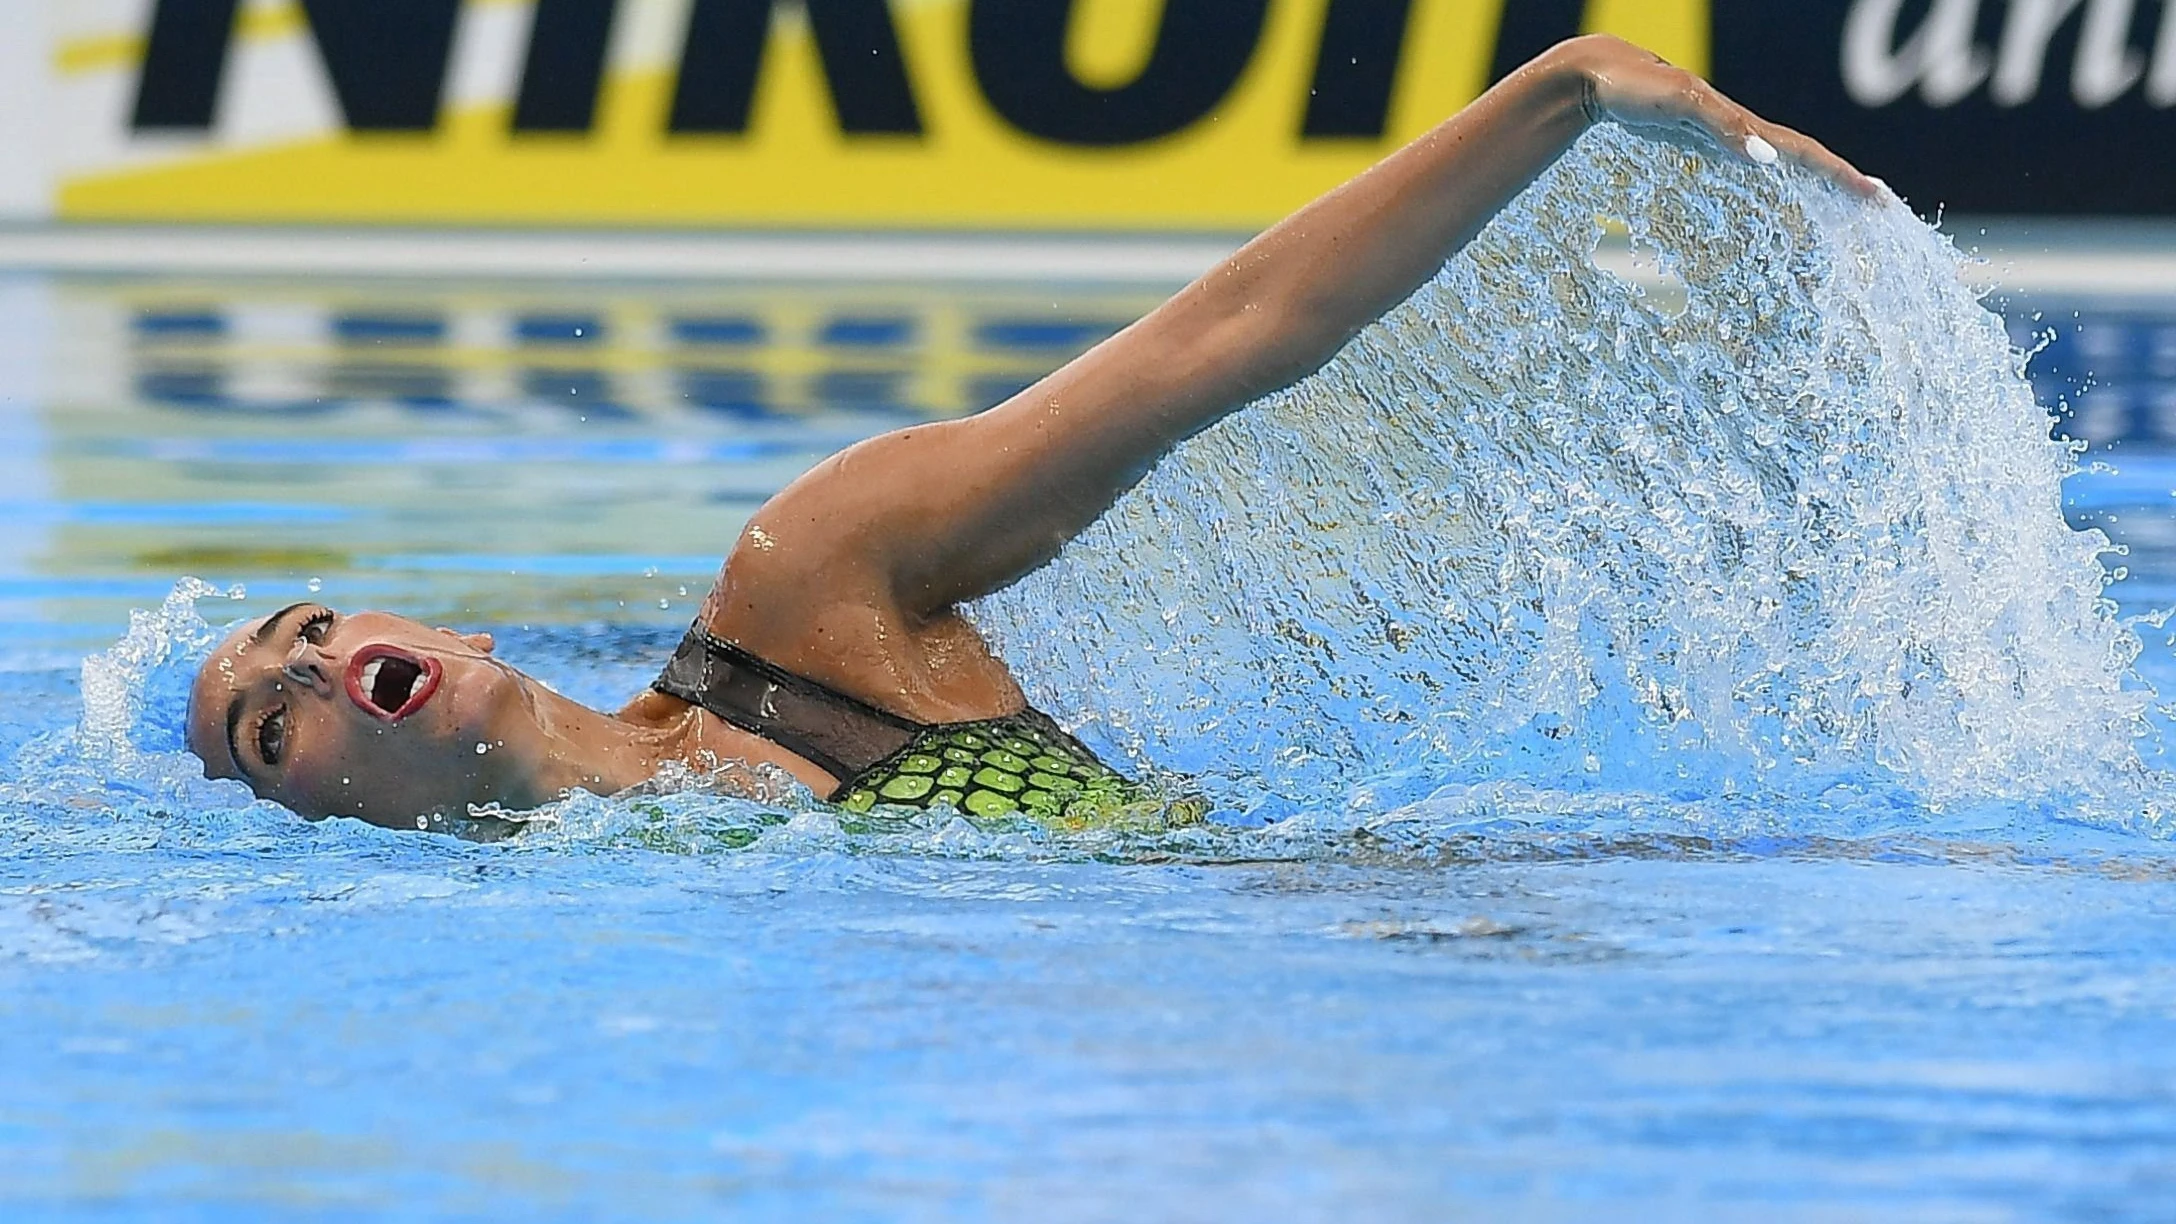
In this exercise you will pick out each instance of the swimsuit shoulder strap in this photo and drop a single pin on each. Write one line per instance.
(813, 721)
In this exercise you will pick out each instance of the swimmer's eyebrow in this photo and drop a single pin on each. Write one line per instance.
(234, 747)
(271, 627)
(266, 632)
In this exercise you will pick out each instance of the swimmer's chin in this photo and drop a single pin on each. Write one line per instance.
(489, 821)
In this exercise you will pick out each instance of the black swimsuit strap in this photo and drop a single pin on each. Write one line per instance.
(819, 724)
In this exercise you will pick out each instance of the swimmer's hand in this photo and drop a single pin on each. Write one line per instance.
(1639, 90)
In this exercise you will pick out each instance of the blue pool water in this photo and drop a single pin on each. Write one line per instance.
(1620, 804)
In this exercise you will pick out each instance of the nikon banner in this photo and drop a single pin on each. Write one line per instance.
(1015, 114)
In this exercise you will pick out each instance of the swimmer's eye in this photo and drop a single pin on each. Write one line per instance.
(316, 626)
(272, 735)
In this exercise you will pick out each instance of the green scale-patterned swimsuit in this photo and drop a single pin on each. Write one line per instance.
(1021, 764)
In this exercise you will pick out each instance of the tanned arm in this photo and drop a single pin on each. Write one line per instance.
(926, 517)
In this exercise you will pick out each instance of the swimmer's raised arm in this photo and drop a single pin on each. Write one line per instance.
(933, 515)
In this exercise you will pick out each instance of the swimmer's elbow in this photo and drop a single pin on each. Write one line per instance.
(1289, 351)
(1266, 348)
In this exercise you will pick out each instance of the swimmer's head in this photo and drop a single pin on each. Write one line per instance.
(370, 715)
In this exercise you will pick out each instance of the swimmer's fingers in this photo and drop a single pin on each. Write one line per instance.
(1639, 91)
(477, 641)
(1763, 143)
(1748, 137)
(1713, 121)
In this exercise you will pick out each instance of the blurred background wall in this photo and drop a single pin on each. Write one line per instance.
(282, 280)
(980, 114)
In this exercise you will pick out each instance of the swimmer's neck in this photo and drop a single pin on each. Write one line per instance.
(575, 747)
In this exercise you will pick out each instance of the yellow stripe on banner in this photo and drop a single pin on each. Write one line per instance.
(263, 23)
(1242, 165)
(81, 55)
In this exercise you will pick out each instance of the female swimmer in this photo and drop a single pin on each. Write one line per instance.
(832, 645)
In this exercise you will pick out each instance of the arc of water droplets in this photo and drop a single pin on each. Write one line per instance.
(1529, 525)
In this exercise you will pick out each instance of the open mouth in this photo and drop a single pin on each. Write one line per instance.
(389, 682)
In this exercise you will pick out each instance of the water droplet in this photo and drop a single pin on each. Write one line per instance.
(1604, 534)
(315, 585)
(482, 748)
(663, 604)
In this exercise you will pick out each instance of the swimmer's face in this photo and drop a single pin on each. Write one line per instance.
(369, 715)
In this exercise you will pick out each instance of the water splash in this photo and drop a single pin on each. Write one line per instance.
(1803, 534)
(1542, 564)
(120, 778)
(136, 692)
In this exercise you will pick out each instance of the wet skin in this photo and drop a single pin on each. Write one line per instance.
(377, 716)
(853, 575)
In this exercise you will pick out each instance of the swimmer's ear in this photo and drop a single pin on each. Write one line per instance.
(482, 643)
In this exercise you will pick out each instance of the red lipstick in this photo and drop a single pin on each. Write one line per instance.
(389, 683)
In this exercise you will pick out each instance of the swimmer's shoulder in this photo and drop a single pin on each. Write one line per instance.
(805, 590)
(833, 543)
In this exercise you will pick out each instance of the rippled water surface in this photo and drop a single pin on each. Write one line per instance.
(1669, 750)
